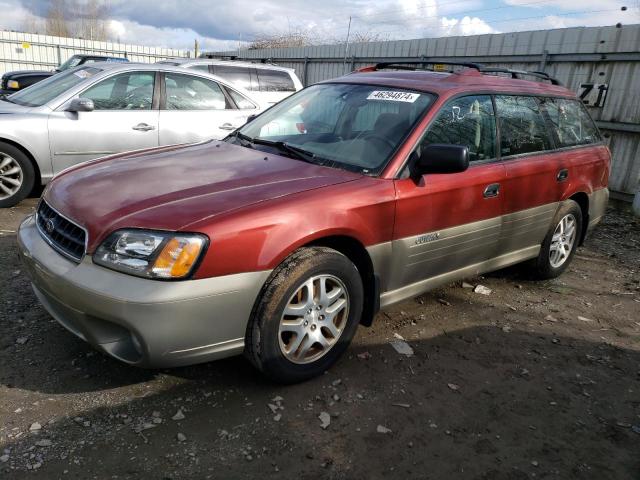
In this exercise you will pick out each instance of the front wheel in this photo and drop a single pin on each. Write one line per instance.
(17, 175)
(306, 316)
(561, 242)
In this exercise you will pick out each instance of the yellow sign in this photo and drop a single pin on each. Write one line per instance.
(26, 45)
(439, 67)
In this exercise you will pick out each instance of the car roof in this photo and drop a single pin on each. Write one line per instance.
(108, 68)
(219, 61)
(445, 83)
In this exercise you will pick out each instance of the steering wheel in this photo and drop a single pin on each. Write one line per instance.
(374, 137)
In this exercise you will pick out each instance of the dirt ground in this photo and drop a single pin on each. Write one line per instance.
(535, 380)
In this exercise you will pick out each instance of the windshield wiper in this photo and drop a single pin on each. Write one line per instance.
(297, 152)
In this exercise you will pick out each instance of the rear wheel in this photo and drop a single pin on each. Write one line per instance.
(16, 175)
(306, 316)
(560, 243)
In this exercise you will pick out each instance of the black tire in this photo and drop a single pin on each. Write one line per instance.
(542, 268)
(28, 175)
(262, 345)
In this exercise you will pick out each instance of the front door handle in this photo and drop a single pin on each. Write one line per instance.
(143, 127)
(562, 175)
(226, 126)
(492, 190)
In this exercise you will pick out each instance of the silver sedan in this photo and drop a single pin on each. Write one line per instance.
(106, 108)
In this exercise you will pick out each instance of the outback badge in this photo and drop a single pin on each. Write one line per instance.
(427, 237)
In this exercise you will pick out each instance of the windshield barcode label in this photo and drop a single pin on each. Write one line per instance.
(393, 96)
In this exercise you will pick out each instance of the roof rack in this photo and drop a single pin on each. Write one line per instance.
(413, 64)
(518, 73)
(410, 65)
(214, 56)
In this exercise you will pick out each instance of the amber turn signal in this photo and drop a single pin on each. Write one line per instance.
(177, 257)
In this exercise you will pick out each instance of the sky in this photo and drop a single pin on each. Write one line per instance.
(226, 25)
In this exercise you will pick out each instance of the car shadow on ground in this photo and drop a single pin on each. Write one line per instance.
(475, 403)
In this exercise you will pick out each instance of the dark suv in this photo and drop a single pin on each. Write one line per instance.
(11, 82)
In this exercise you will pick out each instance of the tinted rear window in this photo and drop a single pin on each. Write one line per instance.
(275, 81)
(572, 124)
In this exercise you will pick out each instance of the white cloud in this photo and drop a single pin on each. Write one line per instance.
(465, 26)
(563, 21)
(126, 31)
(224, 25)
(578, 5)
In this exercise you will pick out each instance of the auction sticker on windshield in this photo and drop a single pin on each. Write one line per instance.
(393, 96)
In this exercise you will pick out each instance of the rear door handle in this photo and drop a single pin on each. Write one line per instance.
(562, 175)
(492, 190)
(143, 127)
(226, 126)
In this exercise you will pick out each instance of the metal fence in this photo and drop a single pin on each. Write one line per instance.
(601, 64)
(26, 51)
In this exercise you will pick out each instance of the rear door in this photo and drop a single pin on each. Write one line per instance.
(446, 222)
(583, 157)
(195, 108)
(534, 182)
(125, 118)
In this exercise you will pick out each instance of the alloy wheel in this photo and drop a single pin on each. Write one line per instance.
(11, 176)
(313, 319)
(562, 241)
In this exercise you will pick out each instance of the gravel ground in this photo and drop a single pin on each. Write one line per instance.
(534, 380)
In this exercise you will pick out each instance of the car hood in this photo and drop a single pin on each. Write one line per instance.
(171, 188)
(27, 72)
(8, 107)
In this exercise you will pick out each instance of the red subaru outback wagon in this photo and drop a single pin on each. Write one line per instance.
(347, 197)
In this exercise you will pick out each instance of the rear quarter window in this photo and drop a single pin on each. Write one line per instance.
(275, 81)
(239, 76)
(572, 124)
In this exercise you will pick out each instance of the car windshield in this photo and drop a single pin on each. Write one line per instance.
(72, 62)
(48, 89)
(351, 126)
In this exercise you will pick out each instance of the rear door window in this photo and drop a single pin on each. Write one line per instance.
(572, 124)
(275, 81)
(188, 92)
(522, 126)
(467, 121)
(239, 76)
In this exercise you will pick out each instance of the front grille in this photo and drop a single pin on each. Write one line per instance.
(62, 234)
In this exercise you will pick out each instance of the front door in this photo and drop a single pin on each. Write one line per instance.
(196, 109)
(446, 222)
(124, 119)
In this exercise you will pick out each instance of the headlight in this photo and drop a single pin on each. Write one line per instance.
(151, 254)
(13, 84)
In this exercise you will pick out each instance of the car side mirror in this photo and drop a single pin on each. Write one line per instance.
(81, 105)
(441, 158)
(251, 118)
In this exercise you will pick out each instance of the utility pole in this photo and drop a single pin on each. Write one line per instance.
(346, 45)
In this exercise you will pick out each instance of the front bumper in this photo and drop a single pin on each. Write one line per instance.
(143, 322)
